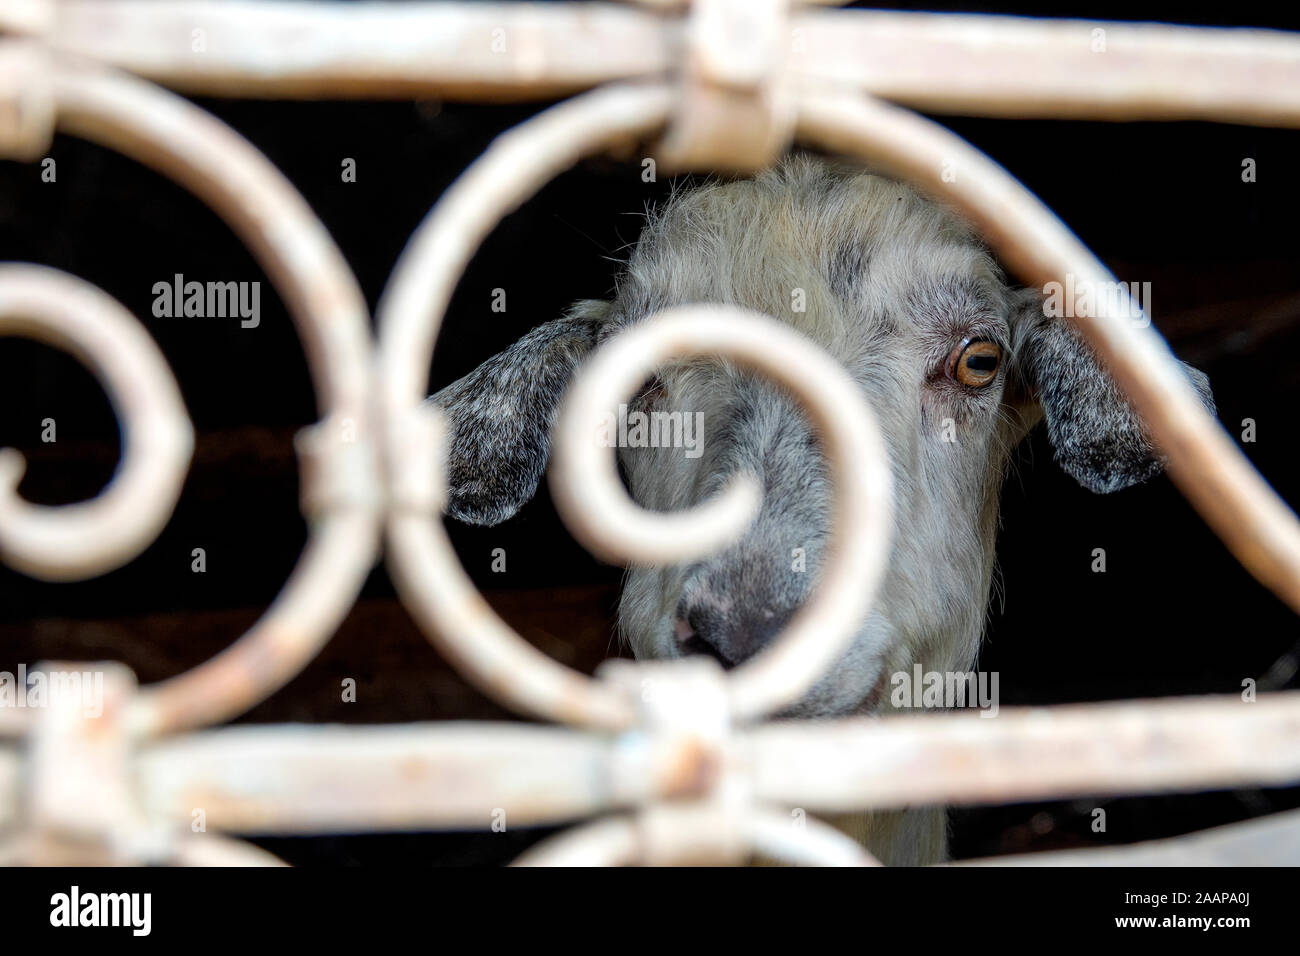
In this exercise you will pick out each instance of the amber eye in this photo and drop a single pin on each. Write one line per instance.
(975, 362)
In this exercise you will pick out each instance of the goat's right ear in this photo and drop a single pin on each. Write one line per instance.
(1097, 437)
(500, 416)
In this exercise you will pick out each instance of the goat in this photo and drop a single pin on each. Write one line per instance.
(956, 363)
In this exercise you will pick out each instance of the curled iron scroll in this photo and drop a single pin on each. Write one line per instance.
(198, 151)
(431, 581)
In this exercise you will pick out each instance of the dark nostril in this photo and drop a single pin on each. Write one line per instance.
(730, 638)
(699, 646)
(682, 629)
(696, 632)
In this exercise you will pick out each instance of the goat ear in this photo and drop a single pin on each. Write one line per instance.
(500, 416)
(1096, 435)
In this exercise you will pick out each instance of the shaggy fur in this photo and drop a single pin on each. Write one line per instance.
(891, 283)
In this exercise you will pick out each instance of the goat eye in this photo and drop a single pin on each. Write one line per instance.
(975, 362)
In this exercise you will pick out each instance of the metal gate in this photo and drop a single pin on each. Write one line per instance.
(690, 772)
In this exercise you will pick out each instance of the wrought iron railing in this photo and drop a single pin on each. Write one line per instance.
(710, 84)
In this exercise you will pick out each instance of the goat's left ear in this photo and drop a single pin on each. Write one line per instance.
(500, 415)
(1096, 435)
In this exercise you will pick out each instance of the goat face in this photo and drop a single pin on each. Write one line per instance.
(956, 364)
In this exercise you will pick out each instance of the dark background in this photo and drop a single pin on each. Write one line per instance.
(1174, 614)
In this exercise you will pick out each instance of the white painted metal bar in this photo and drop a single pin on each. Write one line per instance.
(943, 62)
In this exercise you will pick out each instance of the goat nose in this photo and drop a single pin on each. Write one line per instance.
(729, 637)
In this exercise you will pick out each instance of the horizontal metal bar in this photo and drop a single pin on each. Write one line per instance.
(314, 779)
(1273, 840)
(1024, 754)
(374, 50)
(320, 779)
(943, 62)
(1021, 67)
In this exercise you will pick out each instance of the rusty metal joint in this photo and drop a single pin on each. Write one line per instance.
(678, 748)
(338, 466)
(80, 803)
(676, 765)
(27, 105)
(735, 110)
(416, 461)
